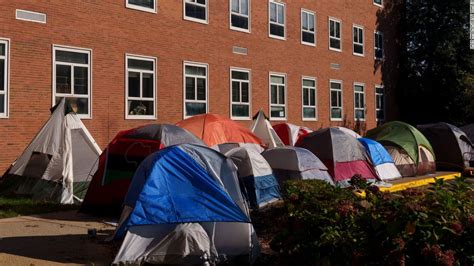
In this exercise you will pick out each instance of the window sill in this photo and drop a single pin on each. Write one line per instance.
(201, 21)
(139, 8)
(277, 37)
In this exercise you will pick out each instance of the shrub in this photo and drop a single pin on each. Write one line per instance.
(328, 225)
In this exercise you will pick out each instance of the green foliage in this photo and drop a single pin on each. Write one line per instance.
(436, 62)
(11, 207)
(327, 225)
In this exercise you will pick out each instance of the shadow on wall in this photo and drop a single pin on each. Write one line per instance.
(389, 22)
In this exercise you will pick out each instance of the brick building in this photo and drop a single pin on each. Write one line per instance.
(124, 63)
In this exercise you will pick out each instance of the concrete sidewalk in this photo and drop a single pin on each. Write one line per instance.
(54, 239)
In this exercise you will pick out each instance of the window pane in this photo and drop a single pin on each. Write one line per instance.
(240, 110)
(354, 34)
(273, 96)
(2, 103)
(358, 88)
(281, 14)
(311, 22)
(378, 53)
(308, 83)
(335, 43)
(358, 49)
(194, 70)
(195, 11)
(195, 109)
(72, 57)
(277, 30)
(203, 2)
(245, 92)
(78, 105)
(338, 29)
(277, 111)
(331, 28)
(309, 112)
(2, 49)
(335, 86)
(147, 84)
(336, 113)
(140, 64)
(2, 74)
(81, 84)
(245, 7)
(63, 79)
(359, 114)
(235, 91)
(133, 84)
(304, 20)
(140, 107)
(273, 12)
(312, 97)
(334, 98)
(240, 75)
(235, 6)
(201, 89)
(190, 89)
(240, 22)
(277, 79)
(143, 3)
(305, 97)
(308, 37)
(281, 95)
(357, 101)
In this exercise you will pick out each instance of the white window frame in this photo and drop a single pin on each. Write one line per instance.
(309, 12)
(6, 84)
(375, 48)
(242, 15)
(377, 4)
(196, 64)
(361, 28)
(315, 88)
(206, 21)
(141, 8)
(276, 23)
(342, 99)
(363, 96)
(384, 101)
(331, 37)
(270, 104)
(89, 95)
(141, 71)
(248, 71)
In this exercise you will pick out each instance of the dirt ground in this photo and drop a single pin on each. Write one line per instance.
(55, 239)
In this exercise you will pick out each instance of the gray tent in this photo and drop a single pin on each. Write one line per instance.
(296, 163)
(469, 130)
(57, 163)
(226, 147)
(453, 149)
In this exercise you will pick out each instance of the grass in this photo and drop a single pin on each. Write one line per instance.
(12, 207)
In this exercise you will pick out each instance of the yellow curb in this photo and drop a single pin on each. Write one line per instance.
(419, 182)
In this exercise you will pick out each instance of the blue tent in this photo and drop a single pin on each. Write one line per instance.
(179, 186)
(381, 159)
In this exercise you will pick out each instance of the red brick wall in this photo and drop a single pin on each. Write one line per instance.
(111, 30)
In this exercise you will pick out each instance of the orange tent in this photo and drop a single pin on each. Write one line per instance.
(215, 129)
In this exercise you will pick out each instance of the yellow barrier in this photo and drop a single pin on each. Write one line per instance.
(418, 182)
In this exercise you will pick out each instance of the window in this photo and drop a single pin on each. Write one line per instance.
(140, 87)
(240, 15)
(195, 89)
(378, 2)
(240, 93)
(4, 64)
(336, 100)
(277, 96)
(143, 5)
(72, 78)
(359, 101)
(309, 98)
(308, 25)
(378, 44)
(358, 40)
(379, 103)
(334, 34)
(195, 10)
(277, 20)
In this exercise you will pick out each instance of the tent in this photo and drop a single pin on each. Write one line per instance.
(409, 149)
(296, 163)
(342, 154)
(381, 160)
(225, 147)
(349, 131)
(118, 163)
(453, 149)
(262, 128)
(214, 129)
(56, 164)
(290, 134)
(256, 178)
(184, 204)
(469, 130)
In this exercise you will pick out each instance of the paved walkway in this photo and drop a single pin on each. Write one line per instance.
(53, 239)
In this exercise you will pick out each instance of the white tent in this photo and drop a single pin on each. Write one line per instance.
(59, 158)
(264, 130)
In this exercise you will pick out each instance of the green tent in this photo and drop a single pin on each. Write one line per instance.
(409, 148)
